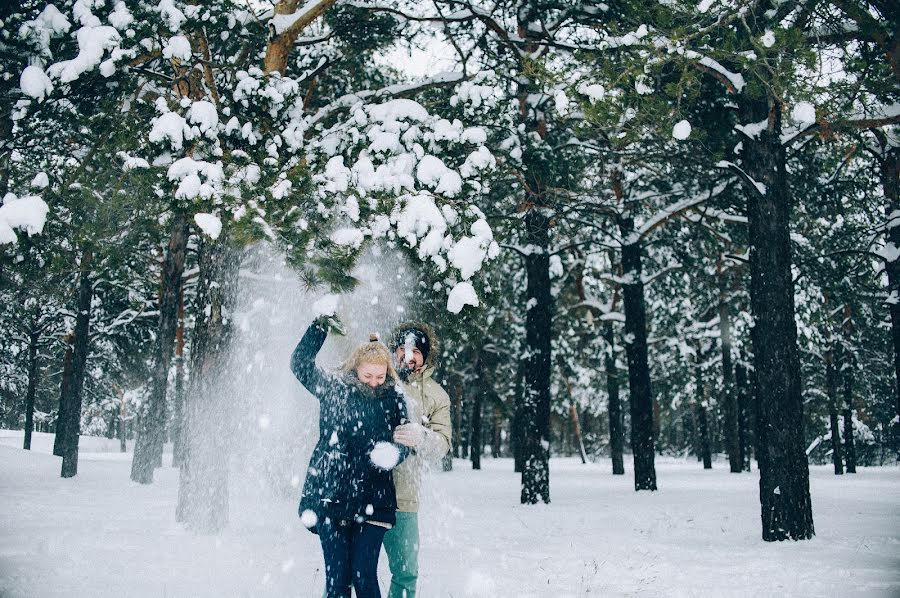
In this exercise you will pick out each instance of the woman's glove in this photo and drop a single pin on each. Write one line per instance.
(331, 324)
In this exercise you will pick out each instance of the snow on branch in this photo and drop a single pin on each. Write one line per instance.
(760, 188)
(663, 216)
(733, 81)
(391, 91)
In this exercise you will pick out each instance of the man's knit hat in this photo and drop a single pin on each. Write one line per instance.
(413, 337)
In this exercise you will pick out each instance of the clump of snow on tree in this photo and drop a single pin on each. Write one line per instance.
(385, 455)
(461, 295)
(768, 39)
(209, 224)
(681, 130)
(803, 114)
(594, 91)
(35, 83)
(28, 213)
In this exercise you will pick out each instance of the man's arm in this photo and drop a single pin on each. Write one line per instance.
(438, 430)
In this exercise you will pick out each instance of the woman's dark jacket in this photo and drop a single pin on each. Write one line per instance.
(342, 482)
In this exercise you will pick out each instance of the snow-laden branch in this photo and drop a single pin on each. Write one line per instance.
(663, 216)
(391, 91)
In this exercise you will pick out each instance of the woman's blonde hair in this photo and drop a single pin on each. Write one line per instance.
(373, 351)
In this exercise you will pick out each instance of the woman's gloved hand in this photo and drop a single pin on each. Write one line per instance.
(331, 324)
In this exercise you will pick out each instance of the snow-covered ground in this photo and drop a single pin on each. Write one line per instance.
(100, 535)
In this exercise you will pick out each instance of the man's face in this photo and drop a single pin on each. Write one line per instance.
(409, 358)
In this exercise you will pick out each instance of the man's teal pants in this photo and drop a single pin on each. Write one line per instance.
(401, 543)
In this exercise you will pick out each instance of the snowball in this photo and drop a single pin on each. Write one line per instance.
(385, 455)
(209, 224)
(309, 518)
(326, 306)
(768, 39)
(462, 294)
(35, 82)
(803, 114)
(681, 130)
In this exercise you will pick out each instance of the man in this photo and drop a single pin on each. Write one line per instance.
(427, 434)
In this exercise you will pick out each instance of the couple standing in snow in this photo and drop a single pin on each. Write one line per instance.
(378, 427)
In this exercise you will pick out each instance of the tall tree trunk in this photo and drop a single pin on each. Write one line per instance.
(33, 336)
(178, 411)
(786, 508)
(516, 432)
(702, 419)
(616, 425)
(476, 431)
(496, 433)
(729, 396)
(831, 389)
(279, 47)
(62, 415)
(640, 393)
(890, 184)
(151, 435)
(745, 433)
(123, 422)
(847, 378)
(81, 346)
(536, 406)
(203, 484)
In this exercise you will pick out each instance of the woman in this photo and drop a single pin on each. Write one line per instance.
(348, 497)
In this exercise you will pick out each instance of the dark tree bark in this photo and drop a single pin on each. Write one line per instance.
(516, 432)
(890, 184)
(496, 433)
(151, 435)
(702, 418)
(33, 337)
(847, 379)
(123, 422)
(71, 427)
(536, 405)
(62, 415)
(178, 411)
(745, 432)
(831, 389)
(203, 484)
(729, 396)
(640, 393)
(480, 389)
(786, 508)
(616, 426)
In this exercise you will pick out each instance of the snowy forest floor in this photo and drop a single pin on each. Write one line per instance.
(99, 535)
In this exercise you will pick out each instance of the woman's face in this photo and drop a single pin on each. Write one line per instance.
(371, 374)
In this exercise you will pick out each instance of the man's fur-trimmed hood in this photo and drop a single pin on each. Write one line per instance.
(433, 341)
